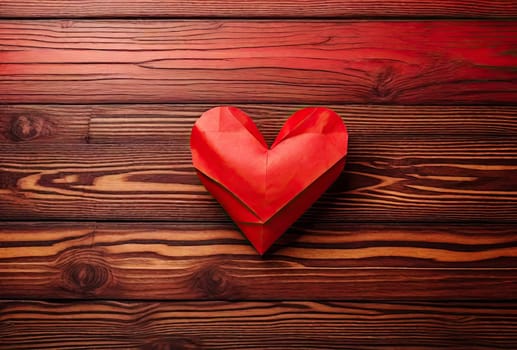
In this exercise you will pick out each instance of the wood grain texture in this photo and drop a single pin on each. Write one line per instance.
(256, 325)
(419, 233)
(201, 261)
(171, 123)
(395, 62)
(408, 179)
(258, 8)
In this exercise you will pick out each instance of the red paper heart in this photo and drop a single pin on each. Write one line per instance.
(265, 190)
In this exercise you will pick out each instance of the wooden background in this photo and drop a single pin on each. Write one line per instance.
(108, 240)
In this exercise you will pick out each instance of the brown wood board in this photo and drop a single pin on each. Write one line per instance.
(196, 262)
(385, 180)
(172, 123)
(257, 325)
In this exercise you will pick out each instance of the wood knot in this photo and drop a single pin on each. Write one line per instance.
(383, 90)
(87, 275)
(212, 282)
(27, 128)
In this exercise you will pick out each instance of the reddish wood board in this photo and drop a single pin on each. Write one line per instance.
(222, 62)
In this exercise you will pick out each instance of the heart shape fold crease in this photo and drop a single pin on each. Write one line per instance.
(266, 189)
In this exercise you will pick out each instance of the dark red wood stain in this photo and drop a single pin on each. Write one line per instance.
(397, 62)
(108, 239)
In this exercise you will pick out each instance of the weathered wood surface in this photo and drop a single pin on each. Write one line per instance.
(398, 62)
(258, 8)
(257, 325)
(409, 179)
(172, 123)
(196, 262)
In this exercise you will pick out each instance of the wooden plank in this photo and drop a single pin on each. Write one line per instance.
(200, 261)
(395, 62)
(51, 124)
(408, 179)
(172, 123)
(258, 8)
(252, 325)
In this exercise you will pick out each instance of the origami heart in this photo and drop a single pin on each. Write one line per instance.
(265, 190)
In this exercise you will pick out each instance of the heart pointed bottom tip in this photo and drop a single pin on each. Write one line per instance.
(264, 190)
(263, 236)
